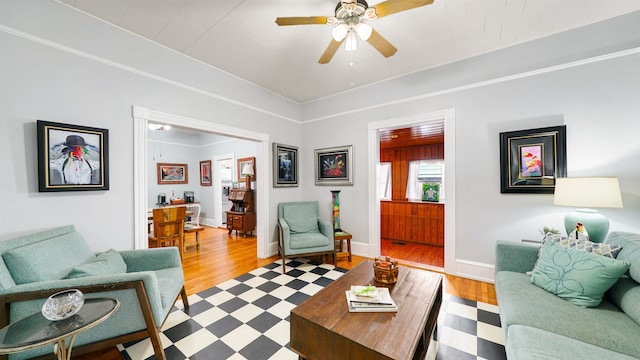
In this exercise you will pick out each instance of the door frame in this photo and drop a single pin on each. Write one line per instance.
(448, 116)
(141, 118)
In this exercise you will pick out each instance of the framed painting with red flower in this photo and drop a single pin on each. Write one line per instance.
(72, 157)
(531, 160)
(334, 166)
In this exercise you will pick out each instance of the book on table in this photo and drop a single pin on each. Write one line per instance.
(370, 299)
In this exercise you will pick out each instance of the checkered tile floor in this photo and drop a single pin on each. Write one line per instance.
(248, 318)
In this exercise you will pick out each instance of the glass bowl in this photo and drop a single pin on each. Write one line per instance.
(63, 304)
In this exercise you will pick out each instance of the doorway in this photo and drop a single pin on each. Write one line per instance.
(411, 228)
(141, 118)
(448, 118)
(223, 181)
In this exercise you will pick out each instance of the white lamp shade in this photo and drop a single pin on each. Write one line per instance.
(247, 170)
(588, 192)
(339, 32)
(364, 31)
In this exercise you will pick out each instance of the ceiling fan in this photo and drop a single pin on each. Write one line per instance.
(350, 19)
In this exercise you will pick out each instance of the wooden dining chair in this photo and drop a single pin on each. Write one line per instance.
(168, 228)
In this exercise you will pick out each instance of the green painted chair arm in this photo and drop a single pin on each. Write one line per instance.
(326, 228)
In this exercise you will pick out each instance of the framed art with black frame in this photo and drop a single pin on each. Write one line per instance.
(72, 157)
(334, 166)
(531, 160)
(285, 165)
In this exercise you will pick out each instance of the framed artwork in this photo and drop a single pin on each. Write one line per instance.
(531, 160)
(285, 165)
(72, 157)
(205, 173)
(431, 192)
(334, 166)
(173, 173)
(241, 163)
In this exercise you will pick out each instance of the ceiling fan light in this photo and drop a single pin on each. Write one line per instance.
(352, 42)
(364, 31)
(339, 32)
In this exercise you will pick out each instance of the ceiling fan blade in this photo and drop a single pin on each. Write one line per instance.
(394, 6)
(330, 51)
(301, 20)
(381, 44)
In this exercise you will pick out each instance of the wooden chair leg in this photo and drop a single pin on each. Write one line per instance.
(185, 300)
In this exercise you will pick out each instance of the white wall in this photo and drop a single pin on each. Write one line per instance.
(590, 85)
(50, 70)
(62, 66)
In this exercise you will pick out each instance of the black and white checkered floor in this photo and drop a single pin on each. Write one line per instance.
(248, 318)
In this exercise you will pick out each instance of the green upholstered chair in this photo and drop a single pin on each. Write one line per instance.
(302, 232)
(146, 282)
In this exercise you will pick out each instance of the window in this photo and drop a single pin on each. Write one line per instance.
(384, 181)
(424, 171)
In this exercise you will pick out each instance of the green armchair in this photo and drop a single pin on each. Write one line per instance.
(302, 232)
(146, 282)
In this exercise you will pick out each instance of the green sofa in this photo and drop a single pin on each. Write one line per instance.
(146, 282)
(540, 325)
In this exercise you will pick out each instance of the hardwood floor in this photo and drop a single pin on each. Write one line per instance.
(430, 255)
(222, 257)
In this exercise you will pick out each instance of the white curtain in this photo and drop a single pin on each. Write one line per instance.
(413, 189)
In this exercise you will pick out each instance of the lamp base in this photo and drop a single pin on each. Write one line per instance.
(596, 224)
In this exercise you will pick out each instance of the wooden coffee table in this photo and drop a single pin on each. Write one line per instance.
(322, 328)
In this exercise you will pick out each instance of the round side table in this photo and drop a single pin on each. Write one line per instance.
(35, 330)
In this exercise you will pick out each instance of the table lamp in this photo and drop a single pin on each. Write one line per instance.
(247, 172)
(585, 193)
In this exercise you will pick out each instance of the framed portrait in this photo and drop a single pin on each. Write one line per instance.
(241, 164)
(173, 173)
(285, 165)
(334, 166)
(205, 173)
(72, 157)
(532, 160)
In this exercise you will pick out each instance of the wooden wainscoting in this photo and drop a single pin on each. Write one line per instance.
(419, 222)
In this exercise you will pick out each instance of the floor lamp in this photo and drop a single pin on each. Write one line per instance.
(586, 193)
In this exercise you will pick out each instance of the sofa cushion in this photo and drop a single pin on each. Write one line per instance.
(308, 240)
(630, 252)
(51, 259)
(109, 262)
(579, 277)
(626, 295)
(528, 343)
(303, 225)
(522, 303)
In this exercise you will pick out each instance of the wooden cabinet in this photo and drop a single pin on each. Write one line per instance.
(242, 216)
(420, 222)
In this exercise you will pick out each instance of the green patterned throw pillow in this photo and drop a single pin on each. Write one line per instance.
(574, 275)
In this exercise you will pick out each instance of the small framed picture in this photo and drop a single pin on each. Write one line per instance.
(531, 160)
(72, 157)
(285, 165)
(334, 166)
(173, 173)
(205, 173)
(431, 192)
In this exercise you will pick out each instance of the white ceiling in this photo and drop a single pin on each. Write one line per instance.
(241, 37)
